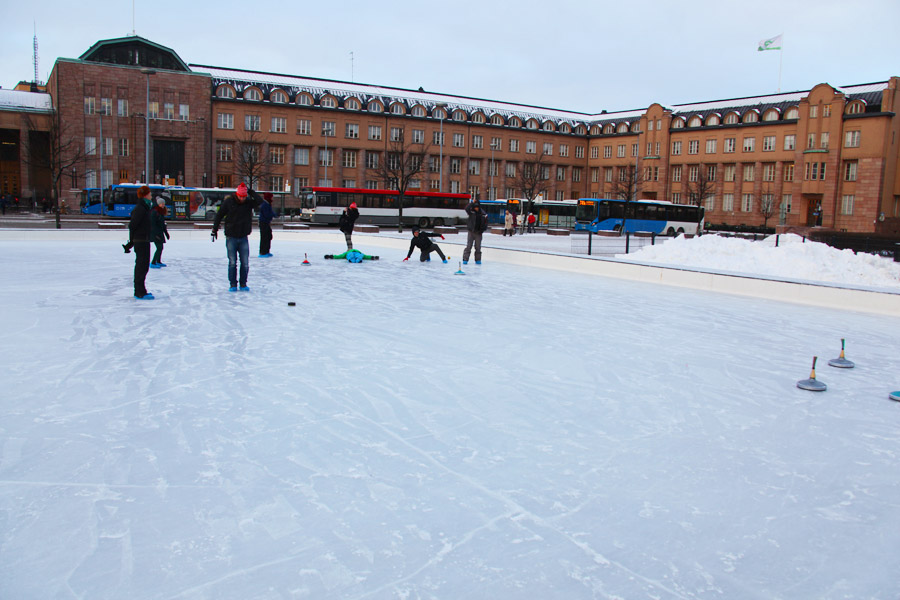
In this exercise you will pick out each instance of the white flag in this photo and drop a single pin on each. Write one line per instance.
(770, 44)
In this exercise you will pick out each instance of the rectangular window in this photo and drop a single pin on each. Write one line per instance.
(123, 175)
(710, 203)
(251, 122)
(607, 152)
(747, 203)
(299, 184)
(694, 147)
(531, 147)
(418, 136)
(711, 146)
(326, 157)
(749, 172)
(437, 138)
(850, 170)
(375, 133)
(455, 165)
(90, 147)
(184, 112)
(711, 172)
(329, 129)
(634, 150)
(301, 156)
(789, 171)
(474, 167)
(607, 174)
(811, 141)
(676, 197)
(729, 172)
(768, 143)
(396, 134)
(478, 141)
(786, 202)
(548, 149)
(768, 172)
(790, 142)
(851, 139)
(276, 183)
(459, 140)
(510, 169)
(676, 173)
(122, 107)
(90, 105)
(693, 173)
(348, 159)
(279, 125)
(727, 202)
(106, 178)
(513, 145)
(154, 110)
(823, 140)
(434, 164)
(813, 111)
(564, 150)
(226, 121)
(749, 144)
(107, 146)
(223, 180)
(729, 145)
(620, 151)
(168, 110)
(676, 148)
(124, 149)
(276, 155)
(649, 148)
(576, 174)
(372, 160)
(847, 204)
(106, 108)
(560, 173)
(304, 127)
(223, 151)
(351, 131)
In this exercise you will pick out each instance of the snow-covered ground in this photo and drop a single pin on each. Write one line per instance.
(404, 432)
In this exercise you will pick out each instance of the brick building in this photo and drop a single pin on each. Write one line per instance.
(827, 155)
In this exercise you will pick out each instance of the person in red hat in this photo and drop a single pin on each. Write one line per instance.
(266, 214)
(345, 223)
(237, 212)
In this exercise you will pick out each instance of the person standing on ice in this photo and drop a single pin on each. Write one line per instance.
(345, 224)
(422, 241)
(476, 225)
(237, 212)
(159, 233)
(509, 224)
(139, 239)
(266, 214)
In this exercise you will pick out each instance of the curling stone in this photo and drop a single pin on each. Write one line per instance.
(841, 362)
(812, 384)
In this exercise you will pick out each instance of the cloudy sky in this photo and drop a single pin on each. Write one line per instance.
(580, 55)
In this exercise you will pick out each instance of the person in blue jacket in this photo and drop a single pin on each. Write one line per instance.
(422, 241)
(266, 214)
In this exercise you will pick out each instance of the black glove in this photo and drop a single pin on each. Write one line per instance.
(167, 235)
(214, 235)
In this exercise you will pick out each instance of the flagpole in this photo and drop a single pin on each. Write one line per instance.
(780, 56)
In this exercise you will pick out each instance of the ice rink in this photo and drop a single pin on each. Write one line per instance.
(405, 432)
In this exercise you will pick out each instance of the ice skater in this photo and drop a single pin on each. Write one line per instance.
(237, 212)
(139, 239)
(159, 233)
(348, 218)
(266, 214)
(476, 225)
(422, 241)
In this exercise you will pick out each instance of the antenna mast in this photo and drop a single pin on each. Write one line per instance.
(36, 82)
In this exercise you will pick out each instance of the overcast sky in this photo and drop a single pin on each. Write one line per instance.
(579, 55)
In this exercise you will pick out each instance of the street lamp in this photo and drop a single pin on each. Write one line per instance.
(491, 191)
(441, 106)
(148, 73)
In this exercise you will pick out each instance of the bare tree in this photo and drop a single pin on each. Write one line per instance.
(532, 180)
(700, 188)
(766, 207)
(252, 161)
(53, 149)
(401, 165)
(627, 186)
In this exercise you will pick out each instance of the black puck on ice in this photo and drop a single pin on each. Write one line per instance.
(292, 304)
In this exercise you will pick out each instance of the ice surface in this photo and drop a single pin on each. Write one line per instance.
(404, 432)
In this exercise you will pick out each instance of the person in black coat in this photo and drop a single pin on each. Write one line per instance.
(345, 223)
(422, 241)
(476, 224)
(159, 233)
(237, 212)
(139, 238)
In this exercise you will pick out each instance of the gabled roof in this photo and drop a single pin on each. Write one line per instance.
(134, 51)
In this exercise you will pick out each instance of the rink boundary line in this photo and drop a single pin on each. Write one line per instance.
(796, 292)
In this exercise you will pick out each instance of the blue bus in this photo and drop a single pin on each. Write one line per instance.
(654, 216)
(119, 200)
(549, 213)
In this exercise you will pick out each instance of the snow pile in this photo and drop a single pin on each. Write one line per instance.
(792, 258)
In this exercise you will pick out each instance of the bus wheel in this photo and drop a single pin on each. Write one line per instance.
(680, 231)
(671, 232)
(438, 222)
(617, 228)
(423, 222)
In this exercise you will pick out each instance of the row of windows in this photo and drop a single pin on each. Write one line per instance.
(106, 109)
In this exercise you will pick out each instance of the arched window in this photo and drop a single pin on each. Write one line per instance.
(595, 130)
(531, 124)
(496, 120)
(304, 99)
(352, 104)
(418, 110)
(751, 116)
(792, 113)
(695, 121)
(252, 93)
(677, 123)
(731, 118)
(771, 115)
(398, 109)
(856, 107)
(459, 115)
(548, 126)
(225, 91)
(622, 128)
(328, 102)
(712, 120)
(515, 122)
(610, 128)
(478, 118)
(278, 97)
(375, 107)
(565, 128)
